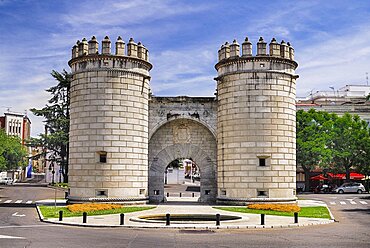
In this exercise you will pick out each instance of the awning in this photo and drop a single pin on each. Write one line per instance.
(342, 176)
(318, 178)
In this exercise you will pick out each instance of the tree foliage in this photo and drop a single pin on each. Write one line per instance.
(338, 144)
(314, 133)
(56, 114)
(12, 154)
(350, 144)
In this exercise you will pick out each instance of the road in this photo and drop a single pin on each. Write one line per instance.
(26, 231)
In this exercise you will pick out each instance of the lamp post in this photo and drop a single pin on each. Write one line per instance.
(332, 87)
(166, 174)
(51, 168)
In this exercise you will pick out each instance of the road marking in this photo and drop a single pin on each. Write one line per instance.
(353, 203)
(18, 201)
(29, 226)
(343, 203)
(10, 237)
(18, 215)
(332, 203)
(28, 202)
(363, 202)
(8, 201)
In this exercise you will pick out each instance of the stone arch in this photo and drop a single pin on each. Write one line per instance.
(198, 143)
(200, 121)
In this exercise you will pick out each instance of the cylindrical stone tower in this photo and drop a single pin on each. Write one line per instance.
(109, 122)
(256, 123)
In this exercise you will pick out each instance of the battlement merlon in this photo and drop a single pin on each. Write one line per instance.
(282, 50)
(280, 58)
(86, 56)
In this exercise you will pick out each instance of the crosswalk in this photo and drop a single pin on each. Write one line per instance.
(16, 201)
(351, 202)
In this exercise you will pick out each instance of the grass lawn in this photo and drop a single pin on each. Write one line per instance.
(312, 212)
(53, 212)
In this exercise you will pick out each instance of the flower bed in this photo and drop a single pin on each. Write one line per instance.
(276, 207)
(91, 207)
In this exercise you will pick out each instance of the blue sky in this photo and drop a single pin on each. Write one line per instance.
(331, 41)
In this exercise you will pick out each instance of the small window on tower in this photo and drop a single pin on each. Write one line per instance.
(262, 162)
(262, 65)
(261, 193)
(101, 193)
(102, 157)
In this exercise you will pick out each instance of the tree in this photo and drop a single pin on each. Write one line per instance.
(56, 112)
(350, 144)
(12, 154)
(364, 167)
(314, 131)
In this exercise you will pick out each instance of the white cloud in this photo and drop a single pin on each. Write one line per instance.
(188, 71)
(127, 13)
(335, 61)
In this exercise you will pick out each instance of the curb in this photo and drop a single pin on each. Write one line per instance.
(331, 215)
(58, 188)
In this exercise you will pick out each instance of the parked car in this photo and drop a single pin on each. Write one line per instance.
(350, 188)
(6, 180)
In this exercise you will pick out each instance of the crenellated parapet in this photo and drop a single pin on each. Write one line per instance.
(274, 57)
(277, 50)
(86, 55)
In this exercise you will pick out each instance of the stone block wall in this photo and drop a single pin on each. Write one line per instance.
(109, 128)
(256, 128)
(181, 127)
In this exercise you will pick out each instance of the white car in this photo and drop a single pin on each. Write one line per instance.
(6, 180)
(350, 188)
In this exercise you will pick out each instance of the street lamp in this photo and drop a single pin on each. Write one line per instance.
(51, 168)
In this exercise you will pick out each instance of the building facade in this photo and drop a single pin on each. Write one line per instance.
(122, 138)
(17, 125)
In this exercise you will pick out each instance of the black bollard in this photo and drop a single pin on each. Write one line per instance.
(295, 217)
(122, 219)
(168, 194)
(180, 194)
(262, 219)
(60, 215)
(168, 219)
(193, 194)
(84, 217)
(218, 219)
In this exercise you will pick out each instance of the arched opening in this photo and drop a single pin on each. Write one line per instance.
(182, 139)
(182, 181)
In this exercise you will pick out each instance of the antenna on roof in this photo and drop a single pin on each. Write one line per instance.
(7, 108)
(367, 79)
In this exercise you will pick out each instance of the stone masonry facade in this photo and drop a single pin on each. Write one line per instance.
(122, 138)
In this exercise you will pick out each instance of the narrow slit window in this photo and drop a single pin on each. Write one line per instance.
(102, 157)
(262, 162)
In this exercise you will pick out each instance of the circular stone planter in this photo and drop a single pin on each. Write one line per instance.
(185, 218)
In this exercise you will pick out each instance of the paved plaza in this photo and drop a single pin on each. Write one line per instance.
(132, 220)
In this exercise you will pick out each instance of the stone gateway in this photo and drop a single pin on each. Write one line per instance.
(122, 138)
